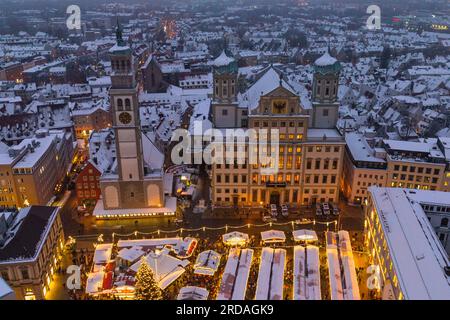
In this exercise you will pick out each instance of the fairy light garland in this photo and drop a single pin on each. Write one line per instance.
(226, 227)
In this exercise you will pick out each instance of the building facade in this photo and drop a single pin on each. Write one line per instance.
(87, 185)
(421, 165)
(404, 244)
(30, 171)
(309, 159)
(30, 257)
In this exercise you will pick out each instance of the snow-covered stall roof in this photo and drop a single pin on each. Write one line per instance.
(271, 274)
(341, 267)
(273, 236)
(235, 276)
(102, 253)
(306, 273)
(149, 243)
(193, 293)
(235, 238)
(207, 262)
(166, 268)
(94, 283)
(131, 254)
(304, 235)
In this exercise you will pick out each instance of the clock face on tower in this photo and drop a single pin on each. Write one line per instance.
(124, 118)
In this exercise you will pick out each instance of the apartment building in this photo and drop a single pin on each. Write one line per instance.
(403, 243)
(30, 251)
(87, 185)
(371, 161)
(90, 118)
(30, 170)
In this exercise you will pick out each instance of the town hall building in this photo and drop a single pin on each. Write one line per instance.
(310, 147)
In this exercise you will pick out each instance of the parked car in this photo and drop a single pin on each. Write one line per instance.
(318, 211)
(284, 210)
(326, 209)
(268, 218)
(335, 210)
(273, 210)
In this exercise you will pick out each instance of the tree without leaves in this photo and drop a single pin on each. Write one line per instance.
(146, 287)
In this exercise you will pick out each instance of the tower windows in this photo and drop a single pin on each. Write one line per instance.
(127, 104)
(120, 104)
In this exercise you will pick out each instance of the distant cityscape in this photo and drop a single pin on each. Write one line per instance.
(224, 150)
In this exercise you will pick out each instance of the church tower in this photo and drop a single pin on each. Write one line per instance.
(224, 102)
(325, 92)
(134, 183)
(125, 108)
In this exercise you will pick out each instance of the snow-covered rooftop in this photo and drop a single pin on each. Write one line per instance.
(325, 60)
(417, 254)
(222, 60)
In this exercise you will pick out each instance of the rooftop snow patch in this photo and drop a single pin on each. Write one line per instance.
(325, 60)
(222, 60)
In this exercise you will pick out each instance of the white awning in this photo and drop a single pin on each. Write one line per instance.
(273, 236)
(235, 238)
(304, 235)
(193, 293)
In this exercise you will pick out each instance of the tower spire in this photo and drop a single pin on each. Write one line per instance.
(119, 37)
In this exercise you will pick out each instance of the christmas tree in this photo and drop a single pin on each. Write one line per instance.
(146, 287)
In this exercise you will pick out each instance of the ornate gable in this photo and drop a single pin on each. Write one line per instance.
(280, 101)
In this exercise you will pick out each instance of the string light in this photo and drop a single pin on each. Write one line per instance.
(248, 225)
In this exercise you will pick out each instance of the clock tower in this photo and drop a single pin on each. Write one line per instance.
(133, 185)
(125, 108)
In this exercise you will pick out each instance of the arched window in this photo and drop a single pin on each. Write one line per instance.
(127, 104)
(120, 104)
(444, 222)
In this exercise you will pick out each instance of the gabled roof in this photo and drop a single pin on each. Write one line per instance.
(29, 233)
(222, 60)
(267, 83)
